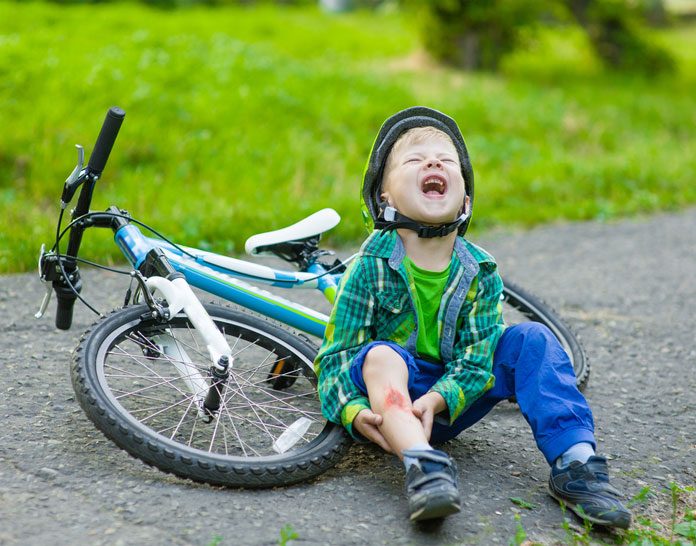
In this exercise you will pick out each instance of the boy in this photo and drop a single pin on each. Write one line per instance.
(416, 349)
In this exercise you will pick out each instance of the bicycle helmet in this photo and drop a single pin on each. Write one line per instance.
(376, 213)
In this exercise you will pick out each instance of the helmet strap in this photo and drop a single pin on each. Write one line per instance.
(392, 219)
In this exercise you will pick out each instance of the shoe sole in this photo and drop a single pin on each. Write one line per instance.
(623, 523)
(437, 507)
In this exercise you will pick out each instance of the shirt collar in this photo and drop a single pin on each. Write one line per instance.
(388, 245)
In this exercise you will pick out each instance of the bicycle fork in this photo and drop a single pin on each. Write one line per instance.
(180, 297)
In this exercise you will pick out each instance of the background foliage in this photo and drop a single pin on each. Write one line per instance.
(246, 118)
(477, 35)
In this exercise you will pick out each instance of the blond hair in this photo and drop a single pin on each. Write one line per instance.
(417, 135)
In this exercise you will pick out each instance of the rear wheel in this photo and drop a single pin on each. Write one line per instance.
(141, 382)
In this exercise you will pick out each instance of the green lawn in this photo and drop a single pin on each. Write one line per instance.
(246, 119)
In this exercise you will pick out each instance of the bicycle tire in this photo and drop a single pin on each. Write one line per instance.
(117, 367)
(534, 309)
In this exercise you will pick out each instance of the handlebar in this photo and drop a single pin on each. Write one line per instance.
(67, 289)
(105, 140)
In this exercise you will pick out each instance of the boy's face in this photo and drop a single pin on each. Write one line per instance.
(424, 181)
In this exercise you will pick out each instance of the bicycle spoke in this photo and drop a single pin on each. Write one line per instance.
(268, 392)
(138, 396)
(212, 440)
(224, 439)
(181, 420)
(195, 339)
(170, 406)
(252, 371)
(150, 345)
(251, 344)
(236, 432)
(307, 413)
(155, 373)
(168, 359)
(259, 383)
(193, 431)
(251, 406)
(163, 377)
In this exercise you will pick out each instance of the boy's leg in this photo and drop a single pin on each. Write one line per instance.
(541, 376)
(530, 363)
(431, 478)
(386, 377)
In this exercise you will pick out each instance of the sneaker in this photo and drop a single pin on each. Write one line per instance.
(585, 489)
(431, 485)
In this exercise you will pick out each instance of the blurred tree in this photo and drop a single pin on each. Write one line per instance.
(654, 12)
(614, 31)
(472, 34)
(476, 35)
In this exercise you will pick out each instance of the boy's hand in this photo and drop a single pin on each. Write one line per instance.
(425, 409)
(366, 423)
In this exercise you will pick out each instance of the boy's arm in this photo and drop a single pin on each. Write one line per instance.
(347, 331)
(469, 374)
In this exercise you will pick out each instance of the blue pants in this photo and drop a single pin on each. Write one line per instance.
(530, 364)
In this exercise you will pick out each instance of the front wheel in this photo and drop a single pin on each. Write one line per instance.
(141, 383)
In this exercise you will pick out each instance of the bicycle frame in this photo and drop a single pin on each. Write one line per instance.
(227, 278)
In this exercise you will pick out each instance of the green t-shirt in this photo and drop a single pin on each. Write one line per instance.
(430, 286)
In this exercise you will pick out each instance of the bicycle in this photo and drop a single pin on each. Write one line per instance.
(206, 392)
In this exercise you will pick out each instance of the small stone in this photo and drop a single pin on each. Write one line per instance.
(48, 473)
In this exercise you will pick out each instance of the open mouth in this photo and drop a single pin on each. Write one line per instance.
(434, 185)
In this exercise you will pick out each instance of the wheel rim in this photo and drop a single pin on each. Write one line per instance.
(144, 386)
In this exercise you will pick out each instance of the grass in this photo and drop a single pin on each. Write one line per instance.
(287, 535)
(242, 120)
(660, 518)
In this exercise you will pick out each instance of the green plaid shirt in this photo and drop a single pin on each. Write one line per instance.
(375, 301)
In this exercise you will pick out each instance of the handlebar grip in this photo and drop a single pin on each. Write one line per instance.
(64, 312)
(105, 140)
(66, 300)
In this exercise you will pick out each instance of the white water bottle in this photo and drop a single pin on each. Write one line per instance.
(291, 435)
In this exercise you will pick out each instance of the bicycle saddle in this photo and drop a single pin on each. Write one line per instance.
(312, 226)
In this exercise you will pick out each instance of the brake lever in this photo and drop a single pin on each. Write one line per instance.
(77, 177)
(47, 297)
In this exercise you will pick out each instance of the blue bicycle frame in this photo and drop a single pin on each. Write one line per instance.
(227, 278)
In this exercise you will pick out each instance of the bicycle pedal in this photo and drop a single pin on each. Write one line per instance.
(283, 374)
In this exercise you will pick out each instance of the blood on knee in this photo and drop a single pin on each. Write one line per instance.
(394, 399)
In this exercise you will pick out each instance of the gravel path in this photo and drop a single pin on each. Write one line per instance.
(627, 288)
